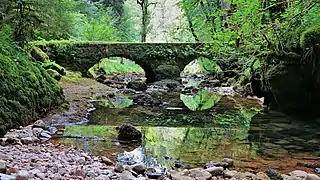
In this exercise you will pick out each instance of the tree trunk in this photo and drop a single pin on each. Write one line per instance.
(144, 9)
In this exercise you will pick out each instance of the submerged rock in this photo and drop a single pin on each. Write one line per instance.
(127, 132)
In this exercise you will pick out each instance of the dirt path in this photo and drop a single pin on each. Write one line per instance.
(78, 93)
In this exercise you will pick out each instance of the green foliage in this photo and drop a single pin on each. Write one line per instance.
(7, 46)
(128, 31)
(310, 37)
(202, 66)
(113, 66)
(201, 101)
(26, 91)
(39, 19)
(54, 66)
(99, 27)
(117, 101)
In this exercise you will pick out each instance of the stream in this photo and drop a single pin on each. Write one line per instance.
(233, 129)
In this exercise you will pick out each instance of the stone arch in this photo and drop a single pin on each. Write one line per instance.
(149, 72)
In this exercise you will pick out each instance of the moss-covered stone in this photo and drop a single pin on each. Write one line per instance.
(39, 55)
(310, 37)
(54, 66)
(167, 72)
(81, 56)
(54, 74)
(27, 91)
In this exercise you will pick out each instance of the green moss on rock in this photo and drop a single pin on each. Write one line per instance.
(167, 72)
(39, 55)
(310, 37)
(26, 92)
(54, 66)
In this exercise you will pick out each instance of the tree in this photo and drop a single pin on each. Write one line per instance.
(145, 20)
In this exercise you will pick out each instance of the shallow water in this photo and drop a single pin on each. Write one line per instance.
(256, 141)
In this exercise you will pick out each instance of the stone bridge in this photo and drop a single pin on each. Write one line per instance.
(159, 60)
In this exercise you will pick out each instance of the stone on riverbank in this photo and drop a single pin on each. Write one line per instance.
(127, 132)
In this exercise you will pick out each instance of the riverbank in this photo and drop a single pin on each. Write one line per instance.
(26, 153)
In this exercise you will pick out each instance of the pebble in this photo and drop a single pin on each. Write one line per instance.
(22, 175)
(6, 177)
(107, 161)
(3, 168)
(299, 174)
(215, 170)
(312, 177)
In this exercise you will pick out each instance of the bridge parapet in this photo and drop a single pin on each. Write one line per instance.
(152, 57)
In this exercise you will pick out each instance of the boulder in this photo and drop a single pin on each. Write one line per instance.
(137, 85)
(127, 132)
(167, 72)
(215, 170)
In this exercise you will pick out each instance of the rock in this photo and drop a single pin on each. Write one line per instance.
(246, 175)
(137, 85)
(119, 168)
(39, 55)
(215, 170)
(178, 164)
(216, 164)
(299, 174)
(127, 132)
(180, 176)
(37, 131)
(57, 177)
(126, 175)
(41, 175)
(167, 72)
(169, 83)
(273, 174)
(107, 161)
(145, 100)
(262, 176)
(40, 124)
(45, 135)
(317, 170)
(80, 160)
(80, 173)
(3, 167)
(22, 175)
(312, 177)
(229, 174)
(6, 177)
(200, 173)
(29, 140)
(139, 168)
(102, 177)
(229, 161)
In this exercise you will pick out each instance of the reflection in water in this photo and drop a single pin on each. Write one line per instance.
(255, 144)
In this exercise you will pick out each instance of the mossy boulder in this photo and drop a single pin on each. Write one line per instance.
(167, 72)
(310, 37)
(57, 76)
(294, 88)
(54, 66)
(39, 55)
(27, 91)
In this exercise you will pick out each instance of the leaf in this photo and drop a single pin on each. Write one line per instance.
(118, 101)
(201, 101)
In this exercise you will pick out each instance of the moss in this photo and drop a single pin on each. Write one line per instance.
(54, 66)
(26, 92)
(39, 55)
(310, 37)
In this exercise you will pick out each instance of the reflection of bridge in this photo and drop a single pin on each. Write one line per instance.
(159, 60)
